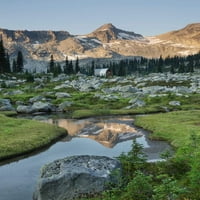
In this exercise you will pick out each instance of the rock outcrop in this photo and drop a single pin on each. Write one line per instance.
(75, 176)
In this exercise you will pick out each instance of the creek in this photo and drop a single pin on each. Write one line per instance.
(104, 136)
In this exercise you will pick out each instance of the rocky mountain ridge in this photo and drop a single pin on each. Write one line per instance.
(105, 42)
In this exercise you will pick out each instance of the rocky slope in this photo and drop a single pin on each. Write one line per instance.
(105, 42)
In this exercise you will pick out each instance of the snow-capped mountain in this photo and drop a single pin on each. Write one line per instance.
(105, 42)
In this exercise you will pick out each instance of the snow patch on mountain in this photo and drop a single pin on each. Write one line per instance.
(88, 42)
(153, 40)
(126, 36)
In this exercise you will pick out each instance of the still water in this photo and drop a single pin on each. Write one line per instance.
(107, 136)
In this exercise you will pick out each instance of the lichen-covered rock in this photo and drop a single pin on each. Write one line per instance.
(75, 176)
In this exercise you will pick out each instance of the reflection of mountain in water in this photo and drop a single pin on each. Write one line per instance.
(72, 126)
(107, 132)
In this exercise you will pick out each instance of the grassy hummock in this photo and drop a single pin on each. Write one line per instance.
(21, 136)
(175, 127)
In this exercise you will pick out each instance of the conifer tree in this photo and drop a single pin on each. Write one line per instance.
(160, 65)
(66, 66)
(92, 68)
(7, 69)
(2, 57)
(172, 71)
(51, 65)
(77, 68)
(20, 62)
(14, 66)
(71, 68)
(191, 66)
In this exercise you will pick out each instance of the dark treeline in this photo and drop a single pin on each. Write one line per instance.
(5, 67)
(155, 65)
(138, 65)
(68, 68)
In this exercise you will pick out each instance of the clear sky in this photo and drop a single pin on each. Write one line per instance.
(146, 17)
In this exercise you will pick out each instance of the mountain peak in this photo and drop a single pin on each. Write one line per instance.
(109, 32)
(192, 27)
(105, 27)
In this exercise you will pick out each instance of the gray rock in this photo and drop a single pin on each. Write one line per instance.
(108, 97)
(58, 87)
(39, 86)
(128, 88)
(24, 109)
(4, 102)
(42, 107)
(136, 103)
(62, 95)
(75, 176)
(174, 103)
(5, 105)
(14, 92)
(36, 107)
(35, 99)
(64, 105)
(86, 87)
(19, 103)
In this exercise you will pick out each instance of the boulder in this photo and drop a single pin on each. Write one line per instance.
(63, 106)
(136, 103)
(24, 109)
(62, 86)
(42, 107)
(36, 107)
(5, 105)
(75, 176)
(174, 103)
(14, 92)
(128, 88)
(36, 98)
(62, 95)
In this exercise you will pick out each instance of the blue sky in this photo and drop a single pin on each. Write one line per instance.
(147, 17)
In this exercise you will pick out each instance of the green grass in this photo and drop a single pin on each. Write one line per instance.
(169, 83)
(175, 127)
(21, 136)
(83, 113)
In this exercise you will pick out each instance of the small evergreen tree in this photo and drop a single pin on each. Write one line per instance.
(160, 65)
(191, 66)
(14, 66)
(71, 68)
(20, 62)
(172, 71)
(51, 65)
(92, 68)
(77, 67)
(7, 69)
(2, 57)
(66, 66)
